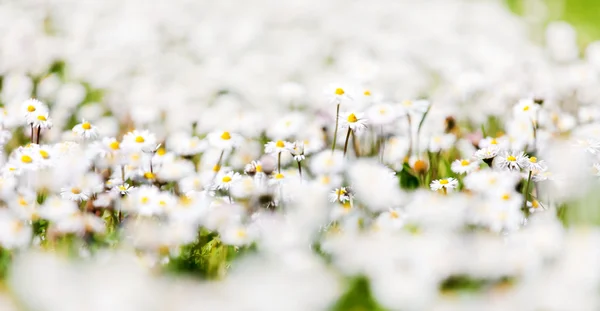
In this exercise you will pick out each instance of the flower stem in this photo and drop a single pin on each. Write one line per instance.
(32, 133)
(39, 131)
(279, 162)
(347, 140)
(218, 166)
(337, 117)
(526, 191)
(300, 169)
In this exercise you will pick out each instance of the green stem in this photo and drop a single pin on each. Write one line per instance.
(337, 117)
(300, 169)
(279, 162)
(526, 191)
(347, 140)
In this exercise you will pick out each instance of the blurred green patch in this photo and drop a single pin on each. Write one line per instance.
(584, 15)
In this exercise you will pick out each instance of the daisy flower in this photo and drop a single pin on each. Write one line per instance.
(25, 158)
(326, 162)
(31, 108)
(74, 193)
(533, 164)
(337, 93)
(535, 206)
(441, 142)
(353, 120)
(464, 166)
(526, 108)
(393, 218)
(223, 140)
(591, 145)
(139, 141)
(341, 195)
(297, 151)
(486, 153)
(41, 119)
(444, 184)
(511, 160)
(224, 180)
(123, 188)
(278, 179)
(56, 208)
(413, 107)
(382, 114)
(277, 146)
(86, 130)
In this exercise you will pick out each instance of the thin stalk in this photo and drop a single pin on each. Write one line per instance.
(337, 117)
(526, 191)
(300, 169)
(355, 145)
(382, 151)
(347, 140)
(279, 162)
(39, 131)
(410, 137)
(32, 133)
(218, 166)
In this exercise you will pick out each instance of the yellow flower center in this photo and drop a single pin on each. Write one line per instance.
(225, 136)
(346, 206)
(22, 201)
(279, 176)
(352, 118)
(258, 168)
(533, 160)
(216, 168)
(367, 93)
(511, 158)
(506, 197)
(339, 91)
(162, 203)
(122, 188)
(26, 159)
(161, 151)
(407, 103)
(325, 180)
(30, 108)
(535, 204)
(525, 108)
(241, 233)
(41, 118)
(44, 154)
(185, 201)
(494, 141)
(394, 214)
(444, 181)
(465, 162)
(139, 139)
(149, 175)
(87, 126)
(144, 200)
(279, 144)
(226, 178)
(420, 166)
(114, 145)
(75, 190)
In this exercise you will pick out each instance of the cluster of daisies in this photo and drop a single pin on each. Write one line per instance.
(227, 150)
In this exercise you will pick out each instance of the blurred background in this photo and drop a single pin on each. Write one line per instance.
(584, 15)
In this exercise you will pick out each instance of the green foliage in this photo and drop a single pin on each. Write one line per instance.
(358, 297)
(407, 179)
